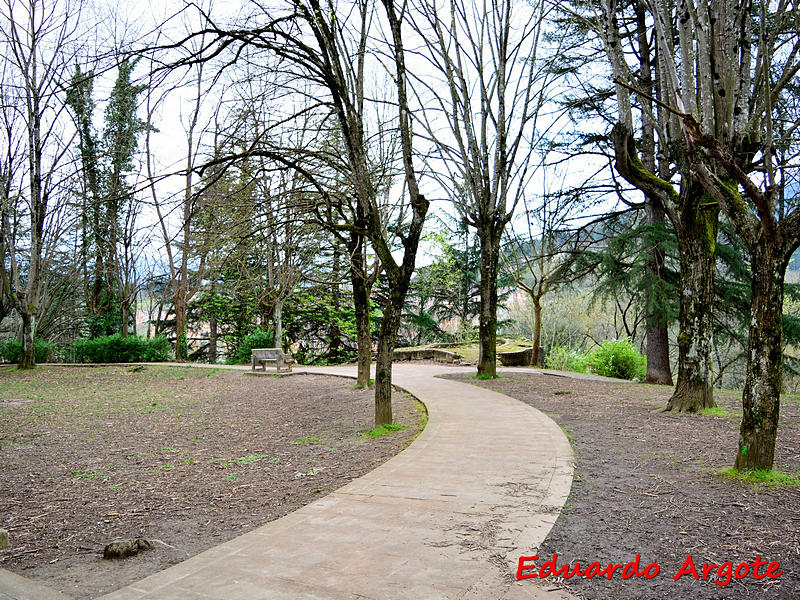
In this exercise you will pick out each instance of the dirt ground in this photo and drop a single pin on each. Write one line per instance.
(186, 458)
(646, 483)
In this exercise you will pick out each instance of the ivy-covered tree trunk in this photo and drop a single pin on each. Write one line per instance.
(762, 386)
(490, 254)
(697, 248)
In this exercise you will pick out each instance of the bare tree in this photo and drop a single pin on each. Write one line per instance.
(482, 115)
(11, 145)
(284, 243)
(180, 246)
(310, 40)
(38, 40)
(540, 257)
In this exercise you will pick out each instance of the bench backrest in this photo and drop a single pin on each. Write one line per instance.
(267, 353)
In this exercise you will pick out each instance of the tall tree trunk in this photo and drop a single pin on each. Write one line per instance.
(537, 328)
(126, 309)
(213, 328)
(390, 324)
(277, 323)
(363, 327)
(213, 334)
(27, 357)
(762, 386)
(361, 293)
(490, 254)
(334, 331)
(697, 249)
(657, 350)
(179, 304)
(97, 305)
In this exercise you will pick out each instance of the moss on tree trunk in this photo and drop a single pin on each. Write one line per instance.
(697, 247)
(762, 387)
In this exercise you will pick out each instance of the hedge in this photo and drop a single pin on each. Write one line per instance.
(118, 349)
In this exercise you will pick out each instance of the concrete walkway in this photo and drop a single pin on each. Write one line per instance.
(15, 587)
(446, 518)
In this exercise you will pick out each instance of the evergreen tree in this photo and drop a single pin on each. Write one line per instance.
(107, 205)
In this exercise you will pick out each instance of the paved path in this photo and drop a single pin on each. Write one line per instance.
(14, 587)
(446, 518)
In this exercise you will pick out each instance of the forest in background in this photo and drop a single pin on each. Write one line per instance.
(343, 178)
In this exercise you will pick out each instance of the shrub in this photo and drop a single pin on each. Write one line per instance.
(156, 349)
(118, 349)
(564, 359)
(618, 358)
(43, 351)
(258, 339)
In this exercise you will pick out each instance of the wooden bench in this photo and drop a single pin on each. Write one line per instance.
(262, 356)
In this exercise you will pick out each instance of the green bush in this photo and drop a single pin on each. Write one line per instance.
(564, 359)
(618, 358)
(43, 351)
(118, 349)
(258, 339)
(156, 349)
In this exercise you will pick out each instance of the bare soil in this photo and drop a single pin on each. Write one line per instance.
(647, 483)
(186, 458)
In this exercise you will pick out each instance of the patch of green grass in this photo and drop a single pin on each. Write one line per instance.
(249, 459)
(720, 411)
(232, 476)
(762, 477)
(306, 440)
(244, 460)
(376, 432)
(370, 383)
(568, 434)
(87, 474)
(485, 377)
(164, 467)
